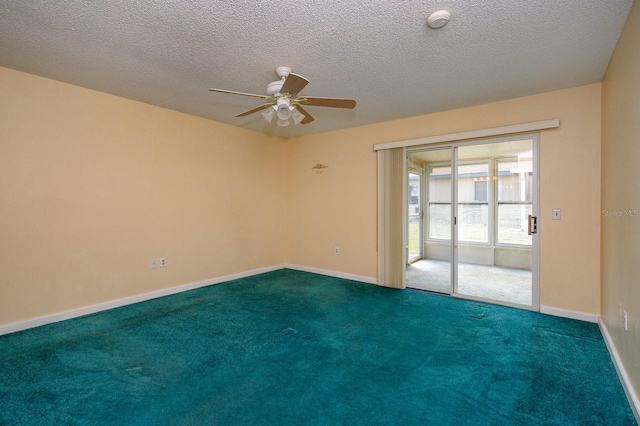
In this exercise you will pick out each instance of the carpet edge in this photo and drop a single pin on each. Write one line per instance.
(329, 273)
(98, 307)
(629, 390)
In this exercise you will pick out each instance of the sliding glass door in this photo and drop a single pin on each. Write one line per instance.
(482, 197)
(495, 191)
(432, 271)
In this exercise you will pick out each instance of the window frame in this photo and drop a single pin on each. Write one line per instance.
(497, 203)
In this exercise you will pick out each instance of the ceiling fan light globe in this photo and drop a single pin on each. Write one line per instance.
(296, 115)
(269, 113)
(283, 123)
(283, 112)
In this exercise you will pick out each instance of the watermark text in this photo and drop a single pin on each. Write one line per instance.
(621, 213)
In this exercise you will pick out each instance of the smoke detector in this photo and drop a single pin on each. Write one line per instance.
(438, 19)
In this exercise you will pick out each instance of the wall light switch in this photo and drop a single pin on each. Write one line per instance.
(557, 214)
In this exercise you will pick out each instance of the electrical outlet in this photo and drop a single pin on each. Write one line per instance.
(154, 264)
(163, 262)
(626, 321)
(337, 250)
(557, 214)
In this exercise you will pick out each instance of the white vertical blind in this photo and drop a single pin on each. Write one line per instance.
(392, 208)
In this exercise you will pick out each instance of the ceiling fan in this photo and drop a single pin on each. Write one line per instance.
(285, 102)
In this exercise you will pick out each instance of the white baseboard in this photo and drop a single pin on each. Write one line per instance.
(629, 390)
(74, 313)
(565, 313)
(368, 280)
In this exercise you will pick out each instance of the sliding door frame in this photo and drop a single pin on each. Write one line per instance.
(535, 243)
(420, 173)
(513, 130)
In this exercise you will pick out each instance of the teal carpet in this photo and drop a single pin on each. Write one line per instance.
(293, 348)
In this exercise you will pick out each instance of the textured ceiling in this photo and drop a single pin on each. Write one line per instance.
(381, 53)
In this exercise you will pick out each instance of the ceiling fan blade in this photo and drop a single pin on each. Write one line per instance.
(294, 84)
(251, 111)
(327, 102)
(307, 117)
(231, 92)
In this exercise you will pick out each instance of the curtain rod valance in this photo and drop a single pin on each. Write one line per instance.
(473, 134)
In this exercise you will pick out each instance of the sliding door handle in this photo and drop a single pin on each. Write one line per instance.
(533, 225)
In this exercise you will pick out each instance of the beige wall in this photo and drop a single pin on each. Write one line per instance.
(92, 187)
(335, 208)
(620, 194)
(338, 207)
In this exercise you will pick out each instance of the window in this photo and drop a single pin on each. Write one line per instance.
(514, 200)
(439, 203)
(498, 197)
(480, 190)
(473, 202)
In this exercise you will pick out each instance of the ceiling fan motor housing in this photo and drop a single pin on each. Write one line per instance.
(273, 88)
